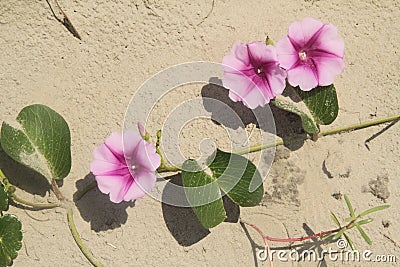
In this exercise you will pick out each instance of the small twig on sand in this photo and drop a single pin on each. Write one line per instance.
(209, 13)
(65, 20)
(391, 240)
(379, 133)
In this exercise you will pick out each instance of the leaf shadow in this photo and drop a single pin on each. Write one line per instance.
(288, 125)
(97, 209)
(23, 177)
(182, 222)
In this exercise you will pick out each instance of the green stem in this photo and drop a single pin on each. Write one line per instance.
(79, 241)
(324, 133)
(168, 169)
(265, 146)
(34, 205)
(11, 189)
(360, 125)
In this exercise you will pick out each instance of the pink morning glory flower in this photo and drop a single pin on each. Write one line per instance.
(125, 167)
(312, 54)
(252, 74)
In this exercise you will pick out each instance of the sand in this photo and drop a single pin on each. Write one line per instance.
(91, 81)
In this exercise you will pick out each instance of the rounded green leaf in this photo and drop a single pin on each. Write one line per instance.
(234, 174)
(203, 194)
(3, 198)
(10, 238)
(322, 103)
(39, 139)
(238, 177)
(316, 107)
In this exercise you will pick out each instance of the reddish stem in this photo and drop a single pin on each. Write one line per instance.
(294, 239)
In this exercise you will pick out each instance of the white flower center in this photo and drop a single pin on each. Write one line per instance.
(302, 55)
(259, 70)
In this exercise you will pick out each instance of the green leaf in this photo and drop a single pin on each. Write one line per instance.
(10, 238)
(3, 198)
(349, 219)
(307, 121)
(238, 178)
(363, 234)
(39, 139)
(339, 234)
(335, 219)
(373, 210)
(349, 241)
(234, 174)
(203, 194)
(350, 207)
(322, 103)
(315, 107)
(365, 221)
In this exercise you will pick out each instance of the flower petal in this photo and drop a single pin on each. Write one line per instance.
(237, 60)
(328, 68)
(116, 186)
(144, 183)
(153, 157)
(254, 97)
(288, 56)
(302, 76)
(98, 167)
(234, 97)
(106, 162)
(242, 88)
(239, 51)
(131, 141)
(114, 143)
(260, 53)
(103, 153)
(277, 81)
(301, 32)
(239, 83)
(146, 157)
(329, 41)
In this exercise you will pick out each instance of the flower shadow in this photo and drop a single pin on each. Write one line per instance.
(96, 207)
(182, 221)
(288, 125)
(23, 177)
